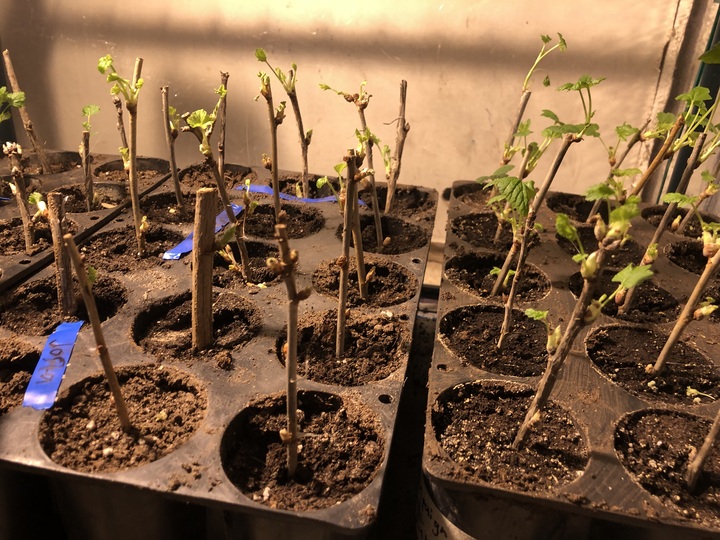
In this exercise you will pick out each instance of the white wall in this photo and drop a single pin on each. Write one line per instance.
(464, 62)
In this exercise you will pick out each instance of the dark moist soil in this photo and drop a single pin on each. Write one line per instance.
(59, 162)
(289, 184)
(259, 252)
(471, 272)
(654, 215)
(342, 449)
(623, 352)
(164, 328)
(163, 208)
(115, 250)
(149, 171)
(650, 303)
(82, 431)
(472, 332)
(391, 283)
(575, 206)
(375, 347)
(301, 221)
(476, 424)
(688, 255)
(12, 235)
(32, 308)
(474, 195)
(629, 252)
(479, 229)
(410, 202)
(403, 235)
(17, 362)
(107, 195)
(199, 175)
(656, 447)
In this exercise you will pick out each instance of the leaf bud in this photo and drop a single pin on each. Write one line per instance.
(592, 311)
(600, 229)
(588, 268)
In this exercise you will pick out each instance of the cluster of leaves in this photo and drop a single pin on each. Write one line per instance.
(8, 100)
(202, 121)
(87, 112)
(121, 85)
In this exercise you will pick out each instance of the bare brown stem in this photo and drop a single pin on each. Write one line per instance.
(659, 157)
(171, 134)
(63, 271)
(396, 161)
(202, 268)
(119, 123)
(222, 119)
(524, 98)
(694, 470)
(131, 106)
(85, 160)
(102, 349)
(344, 260)
(371, 177)
(27, 123)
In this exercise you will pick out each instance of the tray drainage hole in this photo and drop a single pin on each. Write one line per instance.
(94, 218)
(441, 367)
(119, 220)
(24, 261)
(385, 398)
(415, 260)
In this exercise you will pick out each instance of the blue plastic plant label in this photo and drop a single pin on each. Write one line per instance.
(45, 381)
(187, 244)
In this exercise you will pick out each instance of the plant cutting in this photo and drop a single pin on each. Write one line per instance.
(276, 115)
(130, 90)
(87, 112)
(586, 309)
(14, 152)
(172, 130)
(201, 124)
(102, 350)
(285, 268)
(19, 103)
(63, 269)
(510, 149)
(366, 137)
(289, 82)
(394, 162)
(517, 194)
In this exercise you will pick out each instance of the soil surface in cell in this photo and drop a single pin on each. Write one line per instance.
(105, 197)
(688, 255)
(472, 333)
(116, 250)
(259, 252)
(471, 272)
(164, 328)
(390, 283)
(12, 235)
(629, 252)
(410, 202)
(474, 195)
(657, 447)
(479, 230)
(300, 220)
(399, 236)
(654, 215)
(476, 425)
(649, 304)
(576, 207)
(200, 176)
(375, 346)
(82, 431)
(17, 362)
(33, 308)
(59, 162)
(622, 353)
(341, 449)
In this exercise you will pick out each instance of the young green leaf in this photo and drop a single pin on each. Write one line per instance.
(565, 228)
(260, 55)
(536, 314)
(711, 56)
(679, 198)
(599, 192)
(632, 276)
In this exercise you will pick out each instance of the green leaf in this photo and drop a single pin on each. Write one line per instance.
(547, 113)
(599, 192)
(89, 110)
(501, 172)
(624, 213)
(35, 197)
(200, 119)
(105, 64)
(546, 81)
(221, 91)
(523, 129)
(92, 275)
(4, 115)
(696, 96)
(565, 228)
(545, 39)
(16, 99)
(340, 167)
(536, 314)
(625, 131)
(563, 43)
(516, 192)
(626, 172)
(320, 182)
(632, 276)
(711, 56)
(260, 55)
(679, 198)
(591, 130)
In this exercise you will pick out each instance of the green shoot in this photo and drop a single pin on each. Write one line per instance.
(9, 100)
(553, 334)
(544, 51)
(87, 112)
